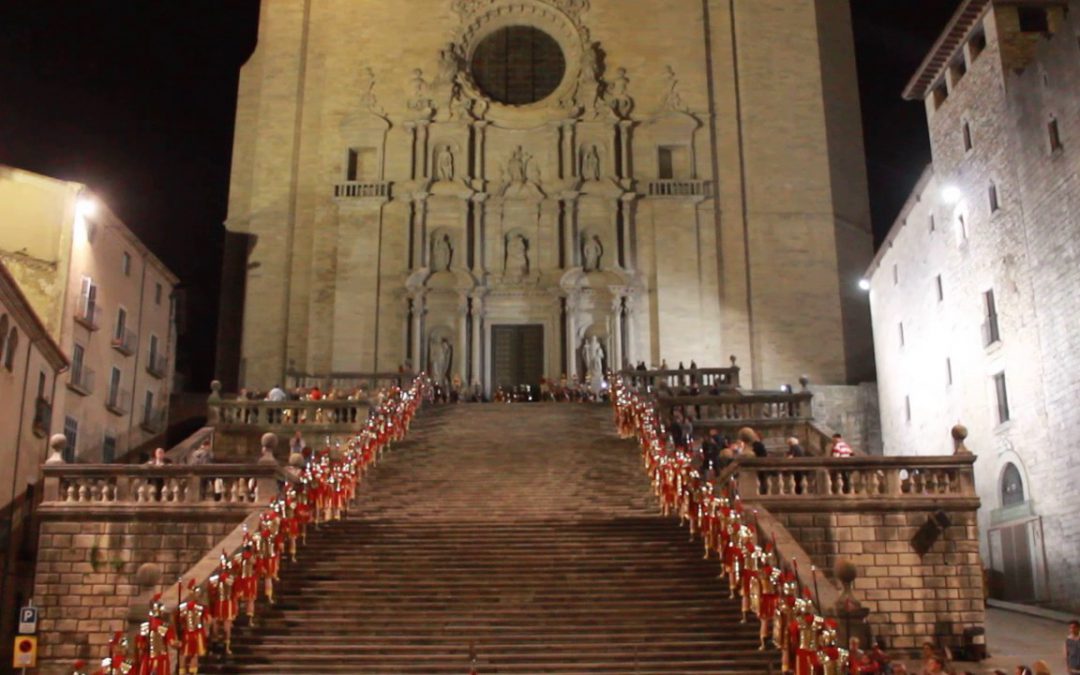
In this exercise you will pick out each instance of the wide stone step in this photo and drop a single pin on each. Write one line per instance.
(529, 533)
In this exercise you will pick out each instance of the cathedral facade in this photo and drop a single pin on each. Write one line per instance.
(503, 190)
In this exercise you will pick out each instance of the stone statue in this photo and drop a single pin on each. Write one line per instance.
(591, 252)
(590, 164)
(444, 169)
(442, 354)
(673, 99)
(517, 167)
(421, 97)
(593, 352)
(442, 253)
(619, 96)
(517, 255)
(368, 100)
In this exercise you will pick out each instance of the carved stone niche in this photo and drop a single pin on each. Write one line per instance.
(579, 86)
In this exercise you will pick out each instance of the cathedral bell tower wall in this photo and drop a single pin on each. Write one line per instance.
(657, 177)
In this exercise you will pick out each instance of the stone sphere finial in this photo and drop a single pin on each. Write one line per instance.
(804, 380)
(846, 573)
(959, 435)
(57, 445)
(269, 442)
(148, 574)
(732, 357)
(215, 386)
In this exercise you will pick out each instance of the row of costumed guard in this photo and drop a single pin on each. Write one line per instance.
(325, 489)
(769, 591)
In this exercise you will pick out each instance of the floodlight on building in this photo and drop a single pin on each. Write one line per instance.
(85, 207)
(950, 194)
(864, 284)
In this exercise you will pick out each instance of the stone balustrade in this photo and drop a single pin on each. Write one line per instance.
(740, 406)
(347, 381)
(677, 380)
(674, 187)
(362, 190)
(892, 482)
(77, 486)
(276, 415)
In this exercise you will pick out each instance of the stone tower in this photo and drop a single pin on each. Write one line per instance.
(482, 187)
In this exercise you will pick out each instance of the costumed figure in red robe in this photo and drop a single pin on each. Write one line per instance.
(155, 638)
(192, 621)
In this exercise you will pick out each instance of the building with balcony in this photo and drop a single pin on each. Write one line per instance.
(974, 293)
(30, 365)
(105, 299)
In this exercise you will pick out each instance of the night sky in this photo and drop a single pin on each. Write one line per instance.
(136, 98)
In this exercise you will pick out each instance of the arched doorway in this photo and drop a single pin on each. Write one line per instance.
(1017, 556)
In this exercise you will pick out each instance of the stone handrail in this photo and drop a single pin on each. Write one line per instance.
(736, 406)
(901, 480)
(662, 381)
(347, 381)
(258, 414)
(179, 453)
(120, 485)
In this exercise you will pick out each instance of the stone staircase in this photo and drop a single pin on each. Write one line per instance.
(525, 530)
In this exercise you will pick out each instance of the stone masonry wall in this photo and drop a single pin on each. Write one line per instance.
(912, 598)
(86, 575)
(851, 410)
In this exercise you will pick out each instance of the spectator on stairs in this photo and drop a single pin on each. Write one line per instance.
(840, 447)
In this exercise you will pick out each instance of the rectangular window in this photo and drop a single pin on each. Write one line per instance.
(907, 408)
(360, 164)
(895, 275)
(978, 44)
(114, 386)
(963, 227)
(992, 193)
(71, 433)
(125, 264)
(121, 324)
(948, 372)
(157, 294)
(665, 158)
(991, 332)
(41, 385)
(1002, 398)
(108, 449)
(153, 349)
(1054, 135)
(1033, 20)
(77, 356)
(88, 299)
(901, 325)
(967, 136)
(933, 223)
(148, 407)
(940, 289)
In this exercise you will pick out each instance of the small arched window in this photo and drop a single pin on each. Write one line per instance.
(10, 347)
(1012, 486)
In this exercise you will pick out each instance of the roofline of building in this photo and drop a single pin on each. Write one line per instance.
(948, 43)
(901, 220)
(952, 39)
(112, 219)
(18, 305)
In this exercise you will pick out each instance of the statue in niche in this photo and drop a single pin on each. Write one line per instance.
(518, 166)
(442, 254)
(590, 89)
(368, 100)
(444, 164)
(673, 99)
(591, 252)
(421, 94)
(590, 164)
(517, 255)
(619, 96)
(441, 356)
(593, 353)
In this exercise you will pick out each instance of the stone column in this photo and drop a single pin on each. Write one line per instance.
(420, 149)
(571, 335)
(573, 243)
(616, 362)
(463, 338)
(624, 147)
(418, 333)
(479, 138)
(477, 372)
(569, 156)
(629, 319)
